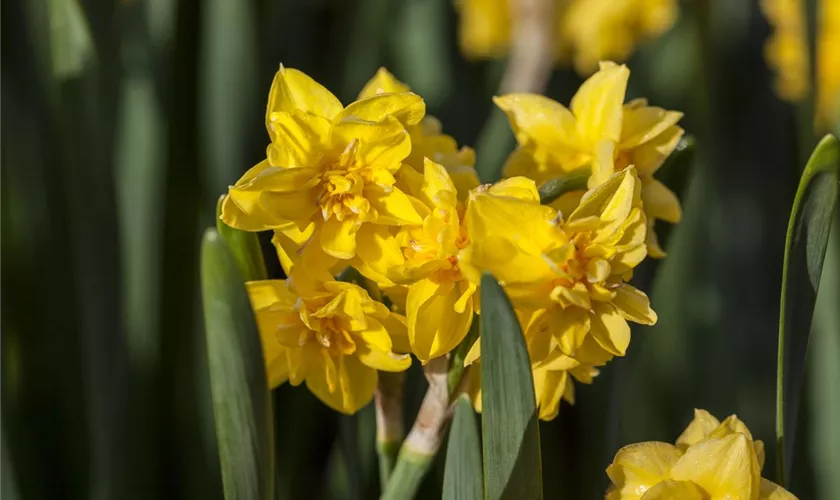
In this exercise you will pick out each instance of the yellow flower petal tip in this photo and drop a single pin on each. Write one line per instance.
(712, 459)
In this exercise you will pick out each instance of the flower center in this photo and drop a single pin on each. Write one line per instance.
(330, 332)
(342, 186)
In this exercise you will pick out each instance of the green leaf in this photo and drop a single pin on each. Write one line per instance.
(238, 383)
(509, 417)
(807, 238)
(462, 476)
(555, 188)
(70, 40)
(245, 247)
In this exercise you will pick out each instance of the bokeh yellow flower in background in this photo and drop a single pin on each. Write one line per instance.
(597, 132)
(329, 334)
(712, 460)
(787, 54)
(566, 277)
(586, 31)
(328, 167)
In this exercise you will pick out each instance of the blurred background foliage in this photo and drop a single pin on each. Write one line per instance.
(123, 121)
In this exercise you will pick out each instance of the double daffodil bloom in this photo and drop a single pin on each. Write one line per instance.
(427, 137)
(329, 334)
(567, 277)
(712, 460)
(554, 141)
(329, 167)
(786, 51)
(441, 301)
(586, 31)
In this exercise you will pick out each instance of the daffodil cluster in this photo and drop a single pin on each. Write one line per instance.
(786, 51)
(586, 31)
(711, 460)
(378, 187)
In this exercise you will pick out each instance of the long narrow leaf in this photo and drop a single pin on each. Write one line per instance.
(462, 476)
(509, 418)
(241, 401)
(807, 238)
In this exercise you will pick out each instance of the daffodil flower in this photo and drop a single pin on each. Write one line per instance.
(571, 273)
(712, 460)
(554, 141)
(329, 334)
(329, 167)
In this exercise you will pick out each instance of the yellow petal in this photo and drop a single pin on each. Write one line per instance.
(268, 293)
(660, 202)
(293, 206)
(649, 156)
(383, 144)
(641, 124)
(702, 425)
(255, 218)
(338, 238)
(383, 82)
(597, 105)
(297, 139)
(549, 387)
(378, 254)
(393, 206)
(609, 329)
(276, 367)
(638, 467)
(670, 490)
(438, 187)
(724, 466)
(430, 339)
(292, 89)
(634, 305)
(611, 201)
(406, 107)
(521, 188)
(772, 491)
(473, 354)
(538, 119)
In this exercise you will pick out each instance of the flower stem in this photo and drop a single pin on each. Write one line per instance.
(389, 422)
(423, 441)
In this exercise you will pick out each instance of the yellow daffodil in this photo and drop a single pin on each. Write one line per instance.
(712, 460)
(427, 137)
(786, 51)
(599, 133)
(566, 276)
(586, 31)
(329, 334)
(328, 167)
(441, 302)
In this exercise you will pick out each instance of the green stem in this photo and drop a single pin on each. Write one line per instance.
(456, 369)
(555, 188)
(389, 422)
(408, 475)
(387, 452)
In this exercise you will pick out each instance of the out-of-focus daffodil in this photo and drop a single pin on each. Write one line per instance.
(712, 460)
(329, 334)
(427, 137)
(786, 51)
(600, 133)
(586, 31)
(567, 276)
(328, 167)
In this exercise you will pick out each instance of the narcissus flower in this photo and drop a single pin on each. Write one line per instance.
(599, 133)
(787, 53)
(567, 276)
(711, 460)
(586, 31)
(441, 301)
(329, 167)
(427, 137)
(329, 334)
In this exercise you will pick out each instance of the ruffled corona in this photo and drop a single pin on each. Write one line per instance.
(711, 460)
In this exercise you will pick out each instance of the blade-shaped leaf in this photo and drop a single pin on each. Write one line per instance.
(462, 476)
(807, 237)
(509, 419)
(245, 247)
(241, 400)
